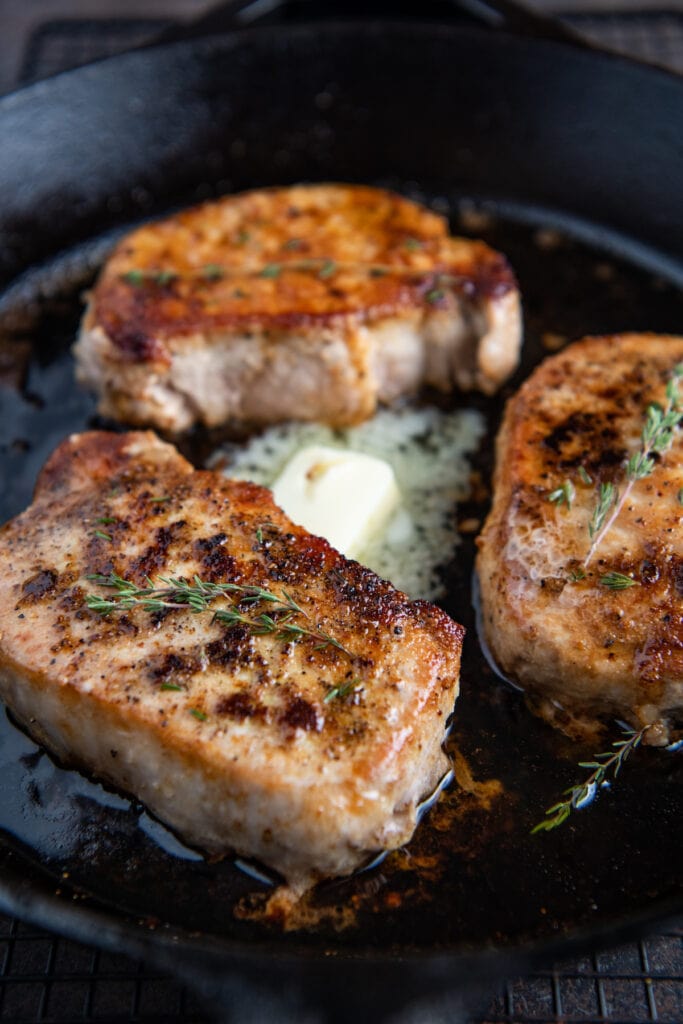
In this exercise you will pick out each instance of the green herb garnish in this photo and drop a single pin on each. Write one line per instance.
(563, 494)
(341, 691)
(199, 715)
(213, 272)
(102, 535)
(271, 270)
(327, 270)
(576, 575)
(199, 596)
(656, 437)
(617, 581)
(581, 794)
(435, 295)
(106, 520)
(171, 686)
(139, 277)
(607, 495)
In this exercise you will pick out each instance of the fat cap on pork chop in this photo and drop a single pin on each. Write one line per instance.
(314, 302)
(305, 754)
(552, 616)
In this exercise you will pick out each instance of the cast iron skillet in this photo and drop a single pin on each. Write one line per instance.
(538, 133)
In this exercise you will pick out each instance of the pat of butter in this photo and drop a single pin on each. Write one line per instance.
(344, 496)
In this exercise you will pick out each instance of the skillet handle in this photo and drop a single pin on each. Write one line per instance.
(511, 15)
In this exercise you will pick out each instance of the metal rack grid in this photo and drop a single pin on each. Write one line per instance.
(44, 978)
(53, 980)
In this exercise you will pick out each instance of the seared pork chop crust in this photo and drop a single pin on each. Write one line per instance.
(550, 622)
(238, 741)
(310, 302)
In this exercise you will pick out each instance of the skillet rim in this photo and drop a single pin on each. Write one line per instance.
(122, 933)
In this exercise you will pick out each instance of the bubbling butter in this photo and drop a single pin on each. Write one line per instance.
(344, 496)
(399, 515)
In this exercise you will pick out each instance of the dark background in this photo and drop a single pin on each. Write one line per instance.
(45, 978)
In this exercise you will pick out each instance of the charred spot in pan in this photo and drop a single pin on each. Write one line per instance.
(300, 714)
(39, 586)
(240, 706)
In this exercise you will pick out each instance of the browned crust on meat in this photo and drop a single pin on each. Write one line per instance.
(575, 640)
(343, 253)
(131, 505)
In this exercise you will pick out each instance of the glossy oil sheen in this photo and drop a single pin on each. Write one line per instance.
(473, 875)
(555, 134)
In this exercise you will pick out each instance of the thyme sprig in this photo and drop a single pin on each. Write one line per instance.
(563, 494)
(617, 581)
(439, 282)
(656, 437)
(198, 595)
(581, 794)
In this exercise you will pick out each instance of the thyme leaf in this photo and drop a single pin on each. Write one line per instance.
(607, 495)
(617, 581)
(102, 535)
(565, 493)
(327, 270)
(581, 794)
(337, 692)
(656, 437)
(138, 277)
(198, 596)
(271, 270)
(213, 272)
(199, 715)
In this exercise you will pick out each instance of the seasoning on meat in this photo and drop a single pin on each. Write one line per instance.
(265, 695)
(580, 561)
(308, 303)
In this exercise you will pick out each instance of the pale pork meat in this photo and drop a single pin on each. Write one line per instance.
(583, 604)
(310, 303)
(303, 731)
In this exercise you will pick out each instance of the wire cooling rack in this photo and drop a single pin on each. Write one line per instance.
(49, 979)
(44, 978)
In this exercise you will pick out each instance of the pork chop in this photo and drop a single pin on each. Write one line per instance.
(308, 303)
(296, 715)
(581, 558)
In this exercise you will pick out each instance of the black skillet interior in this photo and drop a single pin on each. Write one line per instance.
(573, 163)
